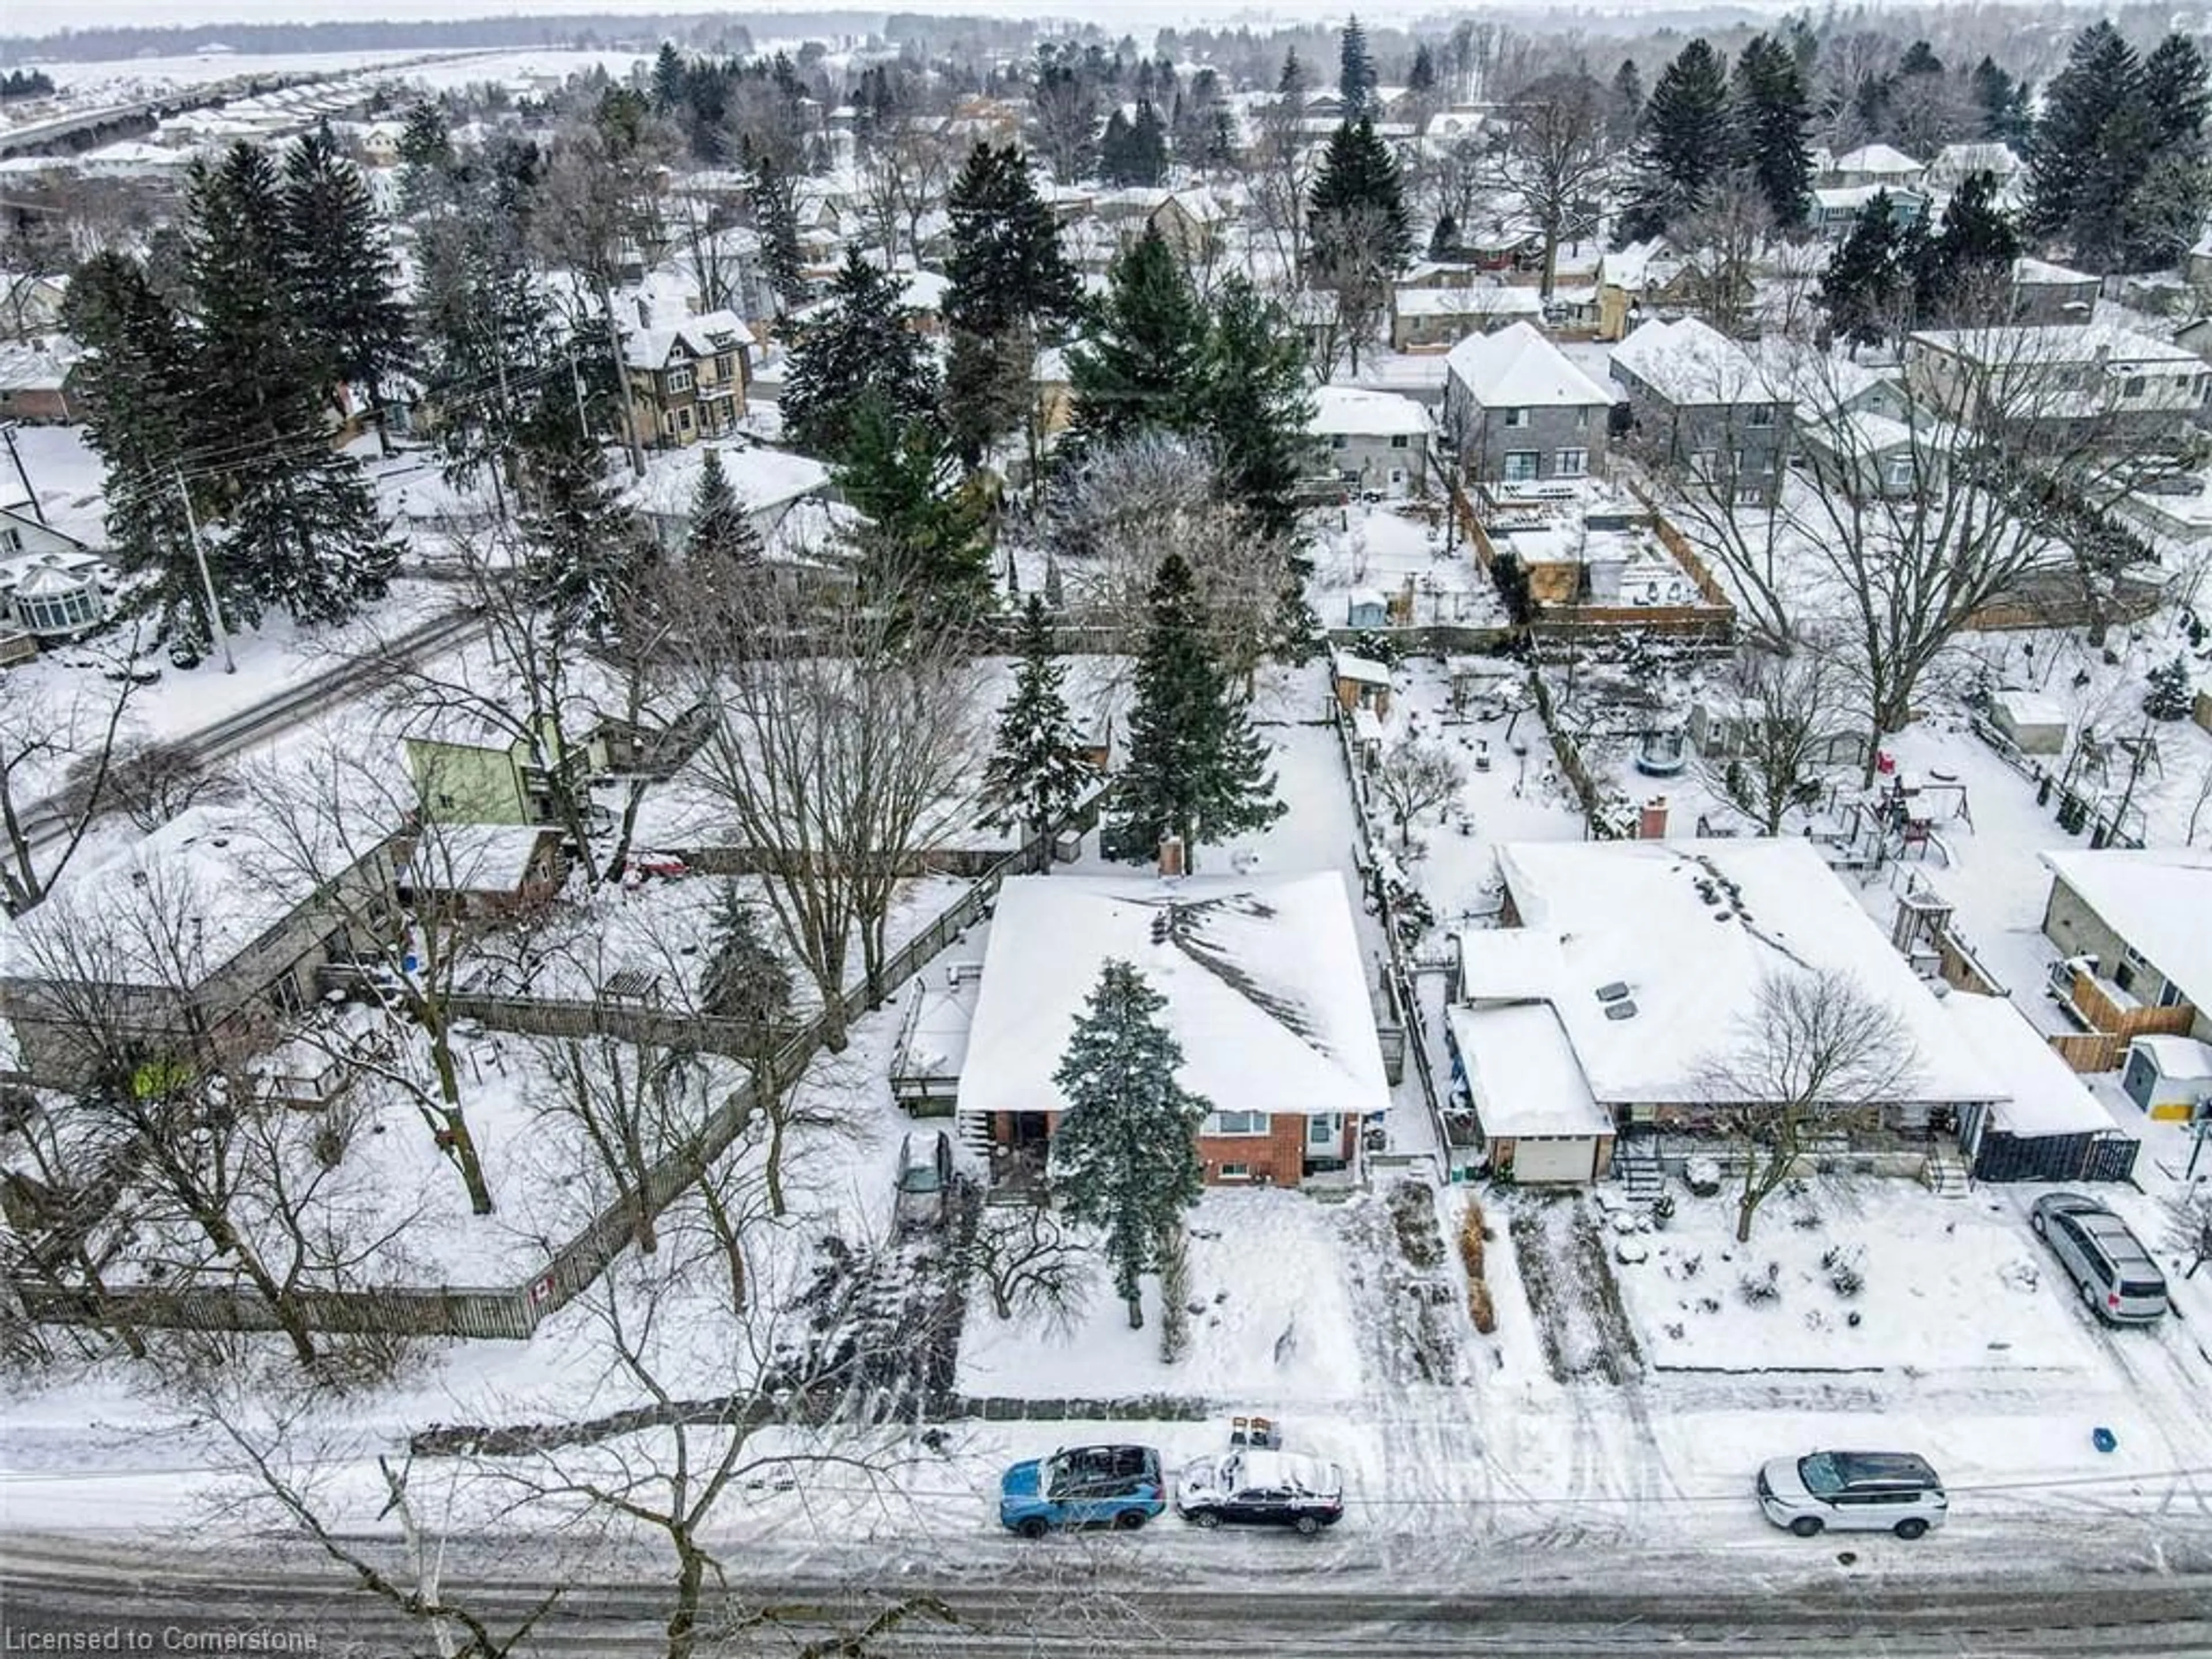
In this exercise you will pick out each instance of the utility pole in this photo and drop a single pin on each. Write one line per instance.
(31, 495)
(207, 581)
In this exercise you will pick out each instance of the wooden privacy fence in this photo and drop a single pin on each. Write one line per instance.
(516, 1311)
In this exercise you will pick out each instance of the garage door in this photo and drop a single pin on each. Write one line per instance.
(1565, 1158)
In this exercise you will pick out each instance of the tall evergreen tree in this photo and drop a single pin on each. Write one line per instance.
(1355, 70)
(1625, 112)
(2003, 102)
(1255, 403)
(585, 550)
(1196, 769)
(860, 344)
(295, 523)
(1113, 159)
(1866, 289)
(1035, 775)
(1421, 79)
(1358, 172)
(668, 79)
(1688, 142)
(136, 381)
(1141, 363)
(1148, 147)
(2067, 152)
(483, 330)
(1771, 113)
(1296, 80)
(924, 550)
(1005, 268)
(1125, 1152)
(1009, 290)
(775, 222)
(339, 269)
(721, 529)
(1965, 273)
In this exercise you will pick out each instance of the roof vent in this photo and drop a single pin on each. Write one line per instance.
(1624, 1009)
(1615, 992)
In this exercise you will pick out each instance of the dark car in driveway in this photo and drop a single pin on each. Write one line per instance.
(1263, 1489)
(1118, 1486)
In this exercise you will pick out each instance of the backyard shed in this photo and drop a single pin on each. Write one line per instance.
(2034, 724)
(2169, 1076)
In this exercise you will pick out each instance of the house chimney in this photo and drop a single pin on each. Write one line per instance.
(1651, 823)
(644, 312)
(1170, 855)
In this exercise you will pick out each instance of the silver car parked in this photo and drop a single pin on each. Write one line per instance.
(1853, 1491)
(2109, 1266)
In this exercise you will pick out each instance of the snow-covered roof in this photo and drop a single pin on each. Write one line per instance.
(1856, 198)
(1690, 928)
(1517, 368)
(1959, 160)
(476, 858)
(923, 290)
(1364, 671)
(1630, 268)
(1878, 160)
(2105, 344)
(702, 336)
(2026, 270)
(179, 904)
(1690, 363)
(760, 476)
(1265, 981)
(2044, 1094)
(1521, 1072)
(2179, 1057)
(2157, 899)
(1358, 412)
(1489, 300)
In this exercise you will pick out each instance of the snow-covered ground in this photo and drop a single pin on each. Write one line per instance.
(1273, 1330)
(1389, 549)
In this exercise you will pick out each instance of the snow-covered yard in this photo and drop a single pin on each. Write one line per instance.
(1273, 1324)
(1385, 550)
(1849, 1273)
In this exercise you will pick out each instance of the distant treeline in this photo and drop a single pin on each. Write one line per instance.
(723, 33)
(24, 83)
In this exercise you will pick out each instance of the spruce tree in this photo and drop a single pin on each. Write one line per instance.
(339, 267)
(1034, 776)
(860, 344)
(720, 528)
(667, 79)
(2067, 151)
(136, 381)
(2003, 102)
(1421, 79)
(1113, 159)
(1868, 280)
(1125, 1151)
(775, 222)
(1358, 197)
(1147, 162)
(1772, 114)
(1196, 769)
(2170, 692)
(1006, 269)
(1625, 113)
(1355, 70)
(1255, 403)
(585, 549)
(924, 550)
(1141, 363)
(293, 520)
(1688, 142)
(1965, 271)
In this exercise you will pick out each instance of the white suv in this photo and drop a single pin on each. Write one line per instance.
(1853, 1491)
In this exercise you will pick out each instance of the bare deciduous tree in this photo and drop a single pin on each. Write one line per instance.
(1416, 776)
(843, 748)
(1355, 267)
(1784, 709)
(1815, 1048)
(151, 781)
(1031, 1266)
(1130, 504)
(2188, 1227)
(58, 748)
(1553, 156)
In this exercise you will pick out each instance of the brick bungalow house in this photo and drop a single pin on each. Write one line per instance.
(1267, 992)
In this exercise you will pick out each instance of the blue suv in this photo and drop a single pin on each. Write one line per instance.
(1117, 1487)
